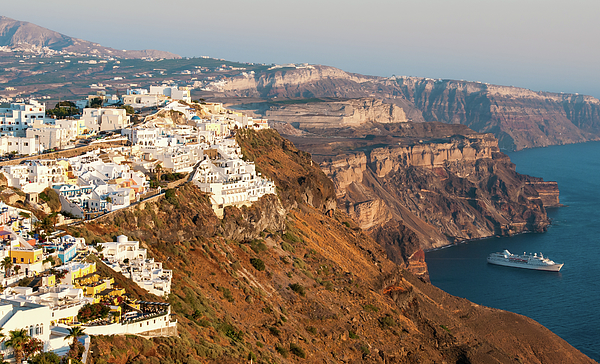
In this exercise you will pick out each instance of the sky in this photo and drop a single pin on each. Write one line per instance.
(543, 45)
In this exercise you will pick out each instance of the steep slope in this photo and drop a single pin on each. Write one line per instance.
(519, 118)
(27, 36)
(299, 281)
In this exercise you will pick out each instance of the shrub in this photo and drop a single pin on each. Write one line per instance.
(274, 331)
(258, 246)
(387, 321)
(364, 349)
(290, 237)
(171, 197)
(352, 335)
(281, 350)
(92, 312)
(258, 264)
(231, 332)
(299, 263)
(297, 350)
(370, 308)
(298, 288)
(312, 330)
(287, 247)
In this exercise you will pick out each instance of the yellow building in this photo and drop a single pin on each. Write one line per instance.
(76, 270)
(22, 252)
(70, 178)
(49, 280)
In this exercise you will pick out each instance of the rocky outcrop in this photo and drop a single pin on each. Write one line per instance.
(548, 192)
(446, 191)
(297, 178)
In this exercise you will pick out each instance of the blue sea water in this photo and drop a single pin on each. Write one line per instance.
(568, 302)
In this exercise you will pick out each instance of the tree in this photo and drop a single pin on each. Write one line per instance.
(7, 265)
(75, 333)
(17, 341)
(32, 346)
(128, 108)
(96, 102)
(158, 168)
(17, 269)
(46, 358)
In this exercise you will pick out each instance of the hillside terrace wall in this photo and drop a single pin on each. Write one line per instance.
(156, 323)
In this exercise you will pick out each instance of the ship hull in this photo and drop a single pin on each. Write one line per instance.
(547, 268)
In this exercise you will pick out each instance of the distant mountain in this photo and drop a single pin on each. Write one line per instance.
(518, 117)
(25, 36)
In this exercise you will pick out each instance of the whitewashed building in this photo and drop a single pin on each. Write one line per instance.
(18, 117)
(128, 258)
(102, 119)
(229, 179)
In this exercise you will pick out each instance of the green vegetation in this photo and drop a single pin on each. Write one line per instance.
(63, 109)
(258, 264)
(50, 196)
(281, 350)
(171, 197)
(387, 321)
(298, 288)
(352, 335)
(128, 109)
(274, 331)
(297, 350)
(92, 312)
(287, 247)
(258, 246)
(370, 308)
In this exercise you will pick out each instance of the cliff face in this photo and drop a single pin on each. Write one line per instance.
(325, 291)
(463, 188)
(336, 113)
(519, 118)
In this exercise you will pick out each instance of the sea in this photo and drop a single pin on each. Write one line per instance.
(568, 302)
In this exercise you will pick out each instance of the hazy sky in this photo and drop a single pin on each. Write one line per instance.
(545, 45)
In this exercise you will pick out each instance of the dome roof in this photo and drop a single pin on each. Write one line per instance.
(196, 117)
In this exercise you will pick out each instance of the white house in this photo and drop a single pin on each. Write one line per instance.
(129, 259)
(102, 119)
(15, 119)
(33, 317)
(19, 145)
(34, 175)
(229, 179)
(174, 92)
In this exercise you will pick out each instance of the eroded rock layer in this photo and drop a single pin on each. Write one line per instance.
(463, 187)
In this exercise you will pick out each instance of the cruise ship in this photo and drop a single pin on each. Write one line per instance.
(527, 261)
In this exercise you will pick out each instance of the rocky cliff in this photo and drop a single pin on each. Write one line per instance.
(328, 113)
(315, 288)
(519, 118)
(442, 182)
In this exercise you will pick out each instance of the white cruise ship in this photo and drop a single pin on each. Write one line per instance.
(527, 261)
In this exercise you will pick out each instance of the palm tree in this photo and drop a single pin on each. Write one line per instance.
(7, 264)
(17, 340)
(75, 333)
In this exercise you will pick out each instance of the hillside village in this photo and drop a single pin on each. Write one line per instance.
(52, 285)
